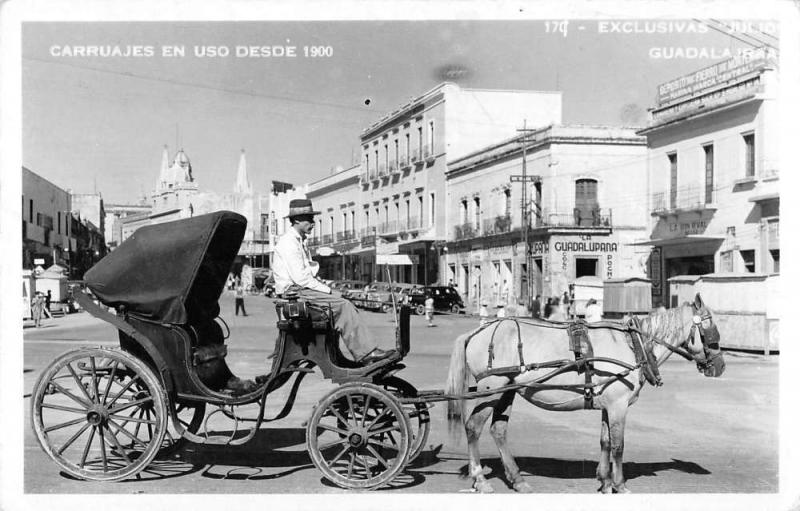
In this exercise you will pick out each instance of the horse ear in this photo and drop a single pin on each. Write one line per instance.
(698, 302)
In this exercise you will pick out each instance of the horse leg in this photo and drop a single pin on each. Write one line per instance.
(616, 426)
(474, 426)
(499, 427)
(604, 467)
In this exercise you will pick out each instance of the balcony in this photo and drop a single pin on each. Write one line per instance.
(497, 225)
(382, 170)
(393, 167)
(327, 239)
(416, 156)
(427, 153)
(405, 163)
(410, 224)
(345, 235)
(368, 237)
(578, 218)
(688, 198)
(312, 242)
(388, 227)
(465, 231)
(364, 176)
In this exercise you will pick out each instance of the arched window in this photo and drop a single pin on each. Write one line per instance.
(586, 205)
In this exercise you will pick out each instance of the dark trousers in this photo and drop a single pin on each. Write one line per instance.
(240, 304)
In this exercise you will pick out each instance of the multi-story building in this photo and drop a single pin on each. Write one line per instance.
(113, 221)
(405, 156)
(585, 187)
(713, 173)
(46, 222)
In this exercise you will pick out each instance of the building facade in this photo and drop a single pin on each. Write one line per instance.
(46, 222)
(713, 172)
(584, 191)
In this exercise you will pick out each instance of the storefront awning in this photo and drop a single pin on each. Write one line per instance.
(680, 240)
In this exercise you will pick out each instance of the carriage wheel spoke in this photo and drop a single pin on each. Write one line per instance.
(375, 420)
(149, 424)
(79, 383)
(339, 416)
(94, 380)
(338, 456)
(334, 429)
(63, 408)
(127, 433)
(133, 419)
(139, 425)
(386, 430)
(86, 447)
(65, 424)
(377, 456)
(382, 444)
(333, 443)
(110, 381)
(366, 466)
(73, 438)
(103, 447)
(366, 410)
(352, 408)
(85, 404)
(122, 390)
(130, 404)
(119, 447)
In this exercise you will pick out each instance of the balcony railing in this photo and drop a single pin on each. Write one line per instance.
(465, 231)
(497, 225)
(368, 237)
(327, 239)
(427, 153)
(313, 242)
(388, 227)
(404, 163)
(346, 235)
(393, 167)
(410, 224)
(687, 198)
(416, 156)
(595, 217)
(381, 170)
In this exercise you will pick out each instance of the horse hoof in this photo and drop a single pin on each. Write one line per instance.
(621, 489)
(483, 487)
(605, 489)
(523, 487)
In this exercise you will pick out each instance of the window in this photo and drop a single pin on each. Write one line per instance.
(586, 202)
(366, 219)
(749, 260)
(709, 153)
(366, 164)
(673, 180)
(421, 209)
(464, 211)
(30, 210)
(408, 213)
(749, 154)
(386, 155)
(397, 211)
(408, 147)
(419, 139)
(344, 222)
(726, 261)
(776, 260)
(432, 207)
(396, 151)
(386, 214)
(353, 222)
(477, 212)
(59, 223)
(330, 225)
(376, 160)
(507, 199)
(585, 266)
(430, 137)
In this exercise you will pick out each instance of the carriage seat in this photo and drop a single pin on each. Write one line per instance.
(295, 314)
(208, 359)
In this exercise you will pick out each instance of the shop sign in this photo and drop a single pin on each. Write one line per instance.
(686, 228)
(38, 261)
(712, 76)
(655, 270)
(387, 248)
(540, 247)
(584, 244)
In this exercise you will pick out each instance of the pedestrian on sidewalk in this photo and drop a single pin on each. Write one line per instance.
(429, 310)
(37, 308)
(239, 293)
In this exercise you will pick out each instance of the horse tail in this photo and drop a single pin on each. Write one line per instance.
(457, 383)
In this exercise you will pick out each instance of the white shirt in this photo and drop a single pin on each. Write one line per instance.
(292, 264)
(594, 313)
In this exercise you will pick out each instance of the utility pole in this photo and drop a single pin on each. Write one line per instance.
(526, 222)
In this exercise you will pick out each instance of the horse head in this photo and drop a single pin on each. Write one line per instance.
(703, 340)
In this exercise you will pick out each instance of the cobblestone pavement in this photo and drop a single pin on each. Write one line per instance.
(694, 434)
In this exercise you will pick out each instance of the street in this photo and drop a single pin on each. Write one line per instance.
(694, 434)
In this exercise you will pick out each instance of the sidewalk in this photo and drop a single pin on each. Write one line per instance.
(74, 320)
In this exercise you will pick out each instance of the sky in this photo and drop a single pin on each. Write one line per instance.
(99, 123)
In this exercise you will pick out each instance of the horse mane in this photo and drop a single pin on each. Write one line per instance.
(665, 324)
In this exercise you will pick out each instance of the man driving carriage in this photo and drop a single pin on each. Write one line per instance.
(296, 273)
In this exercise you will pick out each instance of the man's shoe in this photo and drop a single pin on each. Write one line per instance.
(374, 356)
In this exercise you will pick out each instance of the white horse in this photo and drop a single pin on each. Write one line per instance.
(688, 330)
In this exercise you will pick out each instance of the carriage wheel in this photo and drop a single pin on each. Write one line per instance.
(359, 437)
(418, 414)
(420, 310)
(99, 413)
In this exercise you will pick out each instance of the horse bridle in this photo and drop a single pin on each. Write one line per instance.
(707, 359)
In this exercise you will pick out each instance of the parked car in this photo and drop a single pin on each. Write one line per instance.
(445, 299)
(347, 287)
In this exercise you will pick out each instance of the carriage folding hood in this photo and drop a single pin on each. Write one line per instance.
(172, 272)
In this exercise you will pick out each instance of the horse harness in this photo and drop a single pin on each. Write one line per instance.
(581, 347)
(709, 340)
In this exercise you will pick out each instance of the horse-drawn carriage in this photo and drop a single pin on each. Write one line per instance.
(106, 413)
